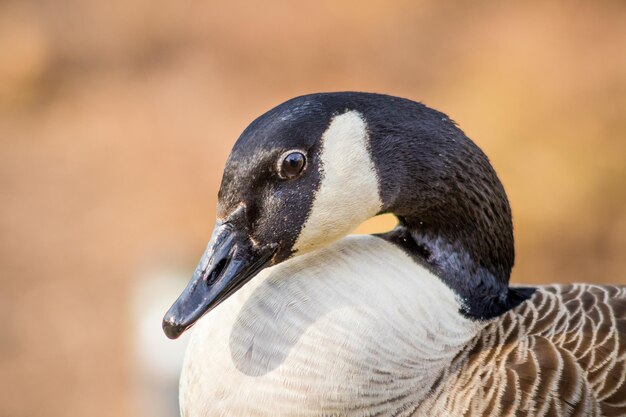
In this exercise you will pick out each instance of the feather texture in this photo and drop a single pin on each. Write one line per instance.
(310, 337)
(562, 353)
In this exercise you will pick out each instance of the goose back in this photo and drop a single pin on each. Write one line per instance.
(562, 353)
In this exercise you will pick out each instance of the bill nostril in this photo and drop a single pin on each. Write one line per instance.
(217, 271)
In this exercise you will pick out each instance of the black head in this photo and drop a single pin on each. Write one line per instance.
(310, 170)
(261, 190)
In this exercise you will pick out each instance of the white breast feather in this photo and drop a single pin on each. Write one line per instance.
(351, 329)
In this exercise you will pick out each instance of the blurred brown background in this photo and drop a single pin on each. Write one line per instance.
(116, 118)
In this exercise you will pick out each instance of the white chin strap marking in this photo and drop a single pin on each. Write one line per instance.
(348, 193)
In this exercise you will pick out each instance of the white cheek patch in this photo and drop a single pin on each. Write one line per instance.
(348, 193)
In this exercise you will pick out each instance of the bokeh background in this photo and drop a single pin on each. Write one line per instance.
(116, 118)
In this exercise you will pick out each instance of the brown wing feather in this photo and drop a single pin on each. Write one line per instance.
(562, 353)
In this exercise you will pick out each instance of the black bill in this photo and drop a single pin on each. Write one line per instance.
(231, 259)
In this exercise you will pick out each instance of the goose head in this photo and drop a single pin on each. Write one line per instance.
(309, 171)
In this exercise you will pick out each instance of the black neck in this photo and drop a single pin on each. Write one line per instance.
(480, 281)
(454, 215)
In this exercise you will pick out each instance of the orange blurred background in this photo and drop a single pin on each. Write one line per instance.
(116, 118)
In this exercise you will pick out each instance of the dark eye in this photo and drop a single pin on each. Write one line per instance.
(292, 165)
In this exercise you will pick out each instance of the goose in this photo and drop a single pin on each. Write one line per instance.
(308, 320)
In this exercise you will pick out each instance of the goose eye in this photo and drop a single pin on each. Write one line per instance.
(292, 165)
